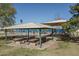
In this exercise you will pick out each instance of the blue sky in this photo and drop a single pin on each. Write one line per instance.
(39, 13)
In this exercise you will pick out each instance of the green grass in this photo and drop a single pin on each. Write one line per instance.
(21, 52)
(64, 48)
(63, 45)
(6, 50)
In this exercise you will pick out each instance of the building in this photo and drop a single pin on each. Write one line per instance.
(57, 24)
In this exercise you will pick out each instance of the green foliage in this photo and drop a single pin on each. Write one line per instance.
(74, 9)
(66, 26)
(73, 22)
(7, 12)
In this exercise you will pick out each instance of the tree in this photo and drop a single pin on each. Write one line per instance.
(21, 21)
(75, 9)
(7, 14)
(73, 22)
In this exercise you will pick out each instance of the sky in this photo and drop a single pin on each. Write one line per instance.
(39, 13)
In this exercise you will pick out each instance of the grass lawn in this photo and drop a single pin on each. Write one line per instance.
(64, 48)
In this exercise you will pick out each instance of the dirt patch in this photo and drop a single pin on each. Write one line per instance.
(48, 44)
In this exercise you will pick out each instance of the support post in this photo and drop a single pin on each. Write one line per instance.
(11, 30)
(52, 34)
(40, 39)
(5, 30)
(28, 37)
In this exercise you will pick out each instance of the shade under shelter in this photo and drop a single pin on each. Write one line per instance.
(30, 26)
